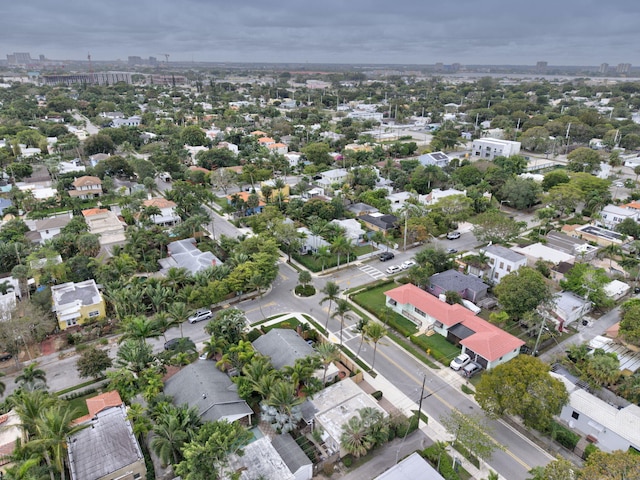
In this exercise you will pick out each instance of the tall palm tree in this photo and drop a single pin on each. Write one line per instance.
(361, 329)
(328, 353)
(375, 332)
(32, 378)
(170, 437)
(54, 427)
(28, 406)
(158, 296)
(323, 254)
(180, 313)
(163, 322)
(282, 406)
(139, 328)
(331, 291)
(342, 307)
(341, 245)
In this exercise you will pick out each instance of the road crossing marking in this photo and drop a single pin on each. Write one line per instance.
(372, 271)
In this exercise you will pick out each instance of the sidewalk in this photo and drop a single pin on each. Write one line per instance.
(433, 430)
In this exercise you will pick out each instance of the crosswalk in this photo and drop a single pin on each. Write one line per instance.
(372, 271)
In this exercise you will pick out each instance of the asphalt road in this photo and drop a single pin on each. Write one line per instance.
(442, 389)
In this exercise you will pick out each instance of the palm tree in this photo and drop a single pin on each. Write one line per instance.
(170, 437)
(323, 254)
(54, 427)
(282, 406)
(328, 353)
(355, 437)
(163, 322)
(362, 323)
(27, 469)
(139, 328)
(331, 291)
(32, 378)
(158, 296)
(302, 371)
(375, 332)
(180, 313)
(28, 406)
(214, 346)
(341, 245)
(135, 356)
(342, 307)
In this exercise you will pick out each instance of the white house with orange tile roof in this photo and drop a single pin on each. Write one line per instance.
(266, 141)
(280, 148)
(259, 133)
(167, 216)
(485, 343)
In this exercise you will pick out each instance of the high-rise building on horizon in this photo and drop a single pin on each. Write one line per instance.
(604, 68)
(542, 66)
(623, 68)
(19, 58)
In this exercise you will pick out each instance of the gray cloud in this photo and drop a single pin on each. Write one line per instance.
(574, 32)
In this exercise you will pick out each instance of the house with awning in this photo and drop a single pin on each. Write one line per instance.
(485, 343)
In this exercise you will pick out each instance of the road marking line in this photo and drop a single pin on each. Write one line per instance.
(443, 401)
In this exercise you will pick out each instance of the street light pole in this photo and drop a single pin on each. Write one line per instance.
(424, 378)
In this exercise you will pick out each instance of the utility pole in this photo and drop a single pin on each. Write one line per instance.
(424, 378)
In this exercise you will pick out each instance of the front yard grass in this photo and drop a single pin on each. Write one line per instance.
(438, 346)
(374, 300)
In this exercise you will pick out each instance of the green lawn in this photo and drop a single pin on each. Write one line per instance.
(439, 347)
(374, 300)
(315, 265)
(80, 404)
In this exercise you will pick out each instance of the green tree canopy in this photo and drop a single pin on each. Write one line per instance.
(523, 387)
(522, 291)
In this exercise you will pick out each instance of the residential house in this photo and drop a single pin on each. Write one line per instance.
(7, 304)
(261, 461)
(437, 159)
(414, 467)
(538, 251)
(284, 192)
(4, 203)
(127, 187)
(284, 346)
(616, 289)
(107, 449)
(74, 165)
(608, 427)
(490, 148)
(398, 200)
(77, 303)
(559, 271)
(353, 230)
(98, 157)
(334, 406)
(47, 228)
(379, 222)
(579, 248)
(502, 261)
(86, 187)
(332, 177)
(108, 227)
(487, 344)
(469, 287)
(240, 199)
(593, 233)
(133, 121)
(279, 148)
(185, 254)
(310, 242)
(168, 216)
(613, 215)
(293, 158)
(436, 194)
(359, 209)
(266, 141)
(210, 391)
(569, 308)
(10, 434)
(293, 456)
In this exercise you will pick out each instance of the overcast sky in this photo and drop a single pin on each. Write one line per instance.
(567, 32)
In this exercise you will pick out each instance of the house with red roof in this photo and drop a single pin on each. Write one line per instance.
(485, 343)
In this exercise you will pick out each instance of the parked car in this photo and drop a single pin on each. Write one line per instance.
(384, 256)
(470, 369)
(460, 361)
(5, 356)
(202, 314)
(619, 184)
(394, 269)
(451, 251)
(453, 235)
(408, 264)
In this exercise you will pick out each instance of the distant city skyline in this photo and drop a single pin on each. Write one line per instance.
(491, 32)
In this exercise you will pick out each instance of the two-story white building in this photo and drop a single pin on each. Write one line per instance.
(490, 148)
(502, 261)
(86, 187)
(167, 216)
(613, 215)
